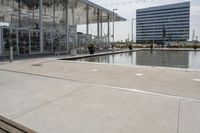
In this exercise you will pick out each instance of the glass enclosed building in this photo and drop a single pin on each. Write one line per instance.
(49, 26)
(163, 23)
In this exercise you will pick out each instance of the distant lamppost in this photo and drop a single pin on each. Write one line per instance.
(128, 37)
(114, 25)
(132, 29)
(195, 44)
(153, 33)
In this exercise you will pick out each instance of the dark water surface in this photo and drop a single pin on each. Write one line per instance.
(179, 59)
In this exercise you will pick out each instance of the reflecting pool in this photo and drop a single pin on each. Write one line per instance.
(179, 59)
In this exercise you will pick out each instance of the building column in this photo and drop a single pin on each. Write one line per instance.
(73, 24)
(108, 28)
(132, 30)
(29, 40)
(19, 13)
(67, 25)
(98, 31)
(17, 41)
(41, 27)
(87, 20)
(54, 14)
(1, 41)
(101, 32)
(113, 22)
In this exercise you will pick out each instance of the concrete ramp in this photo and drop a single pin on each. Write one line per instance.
(8, 126)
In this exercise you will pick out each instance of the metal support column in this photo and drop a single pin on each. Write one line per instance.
(17, 41)
(67, 25)
(54, 14)
(132, 35)
(113, 20)
(113, 35)
(108, 28)
(1, 40)
(87, 21)
(29, 40)
(73, 23)
(101, 21)
(41, 27)
(19, 13)
(98, 31)
(132, 31)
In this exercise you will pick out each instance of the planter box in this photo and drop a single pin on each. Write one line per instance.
(91, 50)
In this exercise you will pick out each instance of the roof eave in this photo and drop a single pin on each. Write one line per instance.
(103, 9)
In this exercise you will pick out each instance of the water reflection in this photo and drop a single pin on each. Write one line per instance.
(163, 58)
(180, 59)
(194, 60)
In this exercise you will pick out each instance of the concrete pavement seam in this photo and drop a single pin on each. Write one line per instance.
(43, 105)
(109, 86)
(179, 113)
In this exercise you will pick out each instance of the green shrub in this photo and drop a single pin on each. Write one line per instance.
(92, 45)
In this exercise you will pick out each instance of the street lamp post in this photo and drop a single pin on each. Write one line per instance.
(132, 29)
(114, 25)
(153, 34)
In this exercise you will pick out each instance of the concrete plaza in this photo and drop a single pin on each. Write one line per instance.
(57, 96)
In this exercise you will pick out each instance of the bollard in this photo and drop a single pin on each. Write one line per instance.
(11, 54)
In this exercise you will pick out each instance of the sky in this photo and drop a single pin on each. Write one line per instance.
(127, 9)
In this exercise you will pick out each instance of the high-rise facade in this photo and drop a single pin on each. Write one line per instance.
(163, 23)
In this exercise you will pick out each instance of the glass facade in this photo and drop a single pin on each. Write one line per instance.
(163, 23)
(48, 26)
(23, 26)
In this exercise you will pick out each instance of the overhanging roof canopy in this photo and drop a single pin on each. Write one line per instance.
(54, 11)
(81, 9)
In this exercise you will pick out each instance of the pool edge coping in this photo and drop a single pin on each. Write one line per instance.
(122, 51)
(72, 59)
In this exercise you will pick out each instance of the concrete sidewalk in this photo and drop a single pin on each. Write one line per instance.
(53, 96)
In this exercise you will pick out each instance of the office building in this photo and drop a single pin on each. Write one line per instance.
(163, 23)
